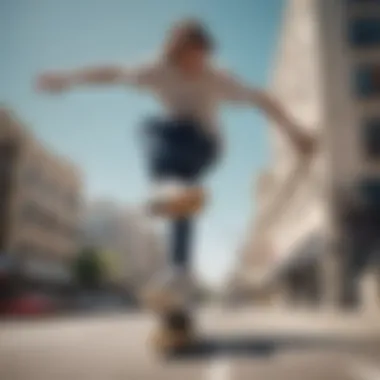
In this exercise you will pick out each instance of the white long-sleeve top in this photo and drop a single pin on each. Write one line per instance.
(182, 96)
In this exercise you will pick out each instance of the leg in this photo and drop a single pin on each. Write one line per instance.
(174, 287)
(179, 153)
(181, 241)
(176, 330)
(177, 283)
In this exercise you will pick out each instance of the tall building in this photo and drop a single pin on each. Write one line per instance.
(40, 202)
(326, 74)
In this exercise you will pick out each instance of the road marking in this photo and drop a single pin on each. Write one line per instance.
(220, 369)
(366, 372)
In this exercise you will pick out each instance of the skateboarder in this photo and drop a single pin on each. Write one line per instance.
(185, 141)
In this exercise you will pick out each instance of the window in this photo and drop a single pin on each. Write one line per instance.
(363, 1)
(371, 139)
(365, 32)
(369, 190)
(367, 81)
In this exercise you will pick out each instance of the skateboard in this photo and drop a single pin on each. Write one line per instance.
(175, 332)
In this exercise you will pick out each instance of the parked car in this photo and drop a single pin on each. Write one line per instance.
(30, 304)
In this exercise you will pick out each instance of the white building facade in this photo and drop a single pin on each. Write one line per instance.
(327, 75)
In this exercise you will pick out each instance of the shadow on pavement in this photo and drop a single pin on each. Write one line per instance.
(268, 346)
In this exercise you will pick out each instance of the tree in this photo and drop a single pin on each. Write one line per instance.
(112, 265)
(88, 268)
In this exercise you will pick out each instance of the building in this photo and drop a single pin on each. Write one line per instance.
(320, 219)
(252, 265)
(129, 238)
(40, 203)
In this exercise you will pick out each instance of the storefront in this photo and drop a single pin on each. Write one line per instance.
(46, 276)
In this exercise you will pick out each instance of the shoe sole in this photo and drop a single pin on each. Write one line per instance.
(190, 203)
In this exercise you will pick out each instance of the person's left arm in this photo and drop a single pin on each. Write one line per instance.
(233, 90)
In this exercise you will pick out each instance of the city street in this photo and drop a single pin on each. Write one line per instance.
(243, 344)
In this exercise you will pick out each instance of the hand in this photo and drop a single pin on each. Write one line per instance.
(53, 82)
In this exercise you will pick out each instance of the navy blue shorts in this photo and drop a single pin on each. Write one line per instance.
(179, 149)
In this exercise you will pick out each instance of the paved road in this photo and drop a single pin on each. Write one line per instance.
(239, 345)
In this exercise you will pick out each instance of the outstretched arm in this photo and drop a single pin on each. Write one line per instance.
(233, 90)
(56, 81)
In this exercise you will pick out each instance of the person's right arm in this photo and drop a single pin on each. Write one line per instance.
(57, 81)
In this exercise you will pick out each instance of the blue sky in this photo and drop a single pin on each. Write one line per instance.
(96, 128)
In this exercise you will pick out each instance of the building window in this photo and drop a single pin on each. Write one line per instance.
(369, 190)
(365, 32)
(367, 80)
(371, 139)
(363, 1)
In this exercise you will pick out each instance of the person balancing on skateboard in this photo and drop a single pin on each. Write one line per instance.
(185, 141)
